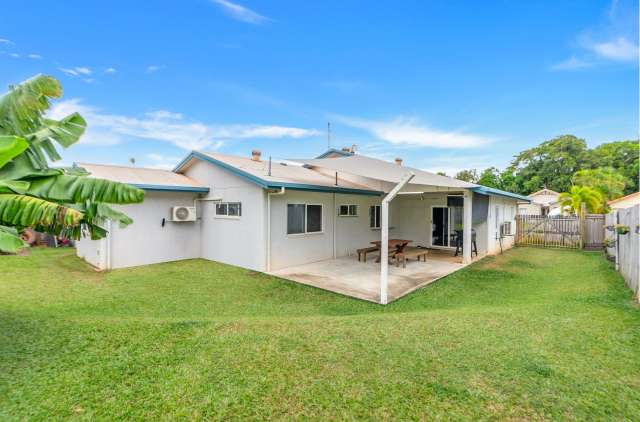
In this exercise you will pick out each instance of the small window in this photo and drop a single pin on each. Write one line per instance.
(229, 209)
(374, 216)
(304, 218)
(348, 210)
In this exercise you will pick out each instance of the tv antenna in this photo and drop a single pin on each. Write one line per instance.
(328, 135)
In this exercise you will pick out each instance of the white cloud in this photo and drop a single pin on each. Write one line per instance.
(162, 125)
(75, 71)
(34, 56)
(164, 114)
(614, 41)
(619, 49)
(163, 162)
(241, 13)
(5, 41)
(153, 68)
(409, 131)
(14, 55)
(572, 63)
(110, 70)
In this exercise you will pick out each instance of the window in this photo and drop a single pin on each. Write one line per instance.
(348, 210)
(374, 216)
(304, 218)
(229, 209)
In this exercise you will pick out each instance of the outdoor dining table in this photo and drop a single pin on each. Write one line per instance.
(395, 245)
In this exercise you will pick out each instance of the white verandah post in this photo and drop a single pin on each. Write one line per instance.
(384, 237)
(467, 225)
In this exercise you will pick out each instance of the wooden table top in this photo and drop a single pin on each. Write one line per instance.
(393, 242)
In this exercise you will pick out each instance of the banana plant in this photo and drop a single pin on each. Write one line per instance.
(61, 201)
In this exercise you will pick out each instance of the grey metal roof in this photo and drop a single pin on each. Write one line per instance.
(281, 174)
(144, 178)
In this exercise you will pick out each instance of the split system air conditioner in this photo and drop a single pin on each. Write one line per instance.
(180, 214)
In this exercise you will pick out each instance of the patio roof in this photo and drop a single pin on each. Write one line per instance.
(374, 168)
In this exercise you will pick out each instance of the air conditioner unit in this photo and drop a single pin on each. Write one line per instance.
(180, 214)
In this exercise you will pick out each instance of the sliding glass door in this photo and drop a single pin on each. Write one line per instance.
(444, 223)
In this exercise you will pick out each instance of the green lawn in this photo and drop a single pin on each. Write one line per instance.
(530, 335)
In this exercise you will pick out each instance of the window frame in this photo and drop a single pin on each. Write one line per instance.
(372, 211)
(305, 232)
(227, 216)
(348, 214)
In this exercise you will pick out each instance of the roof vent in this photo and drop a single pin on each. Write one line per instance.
(398, 161)
(255, 155)
(346, 149)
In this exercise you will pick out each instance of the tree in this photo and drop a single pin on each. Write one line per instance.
(607, 181)
(623, 156)
(467, 175)
(491, 178)
(578, 195)
(60, 201)
(551, 164)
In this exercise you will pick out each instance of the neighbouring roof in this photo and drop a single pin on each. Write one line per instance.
(144, 178)
(544, 191)
(292, 175)
(631, 196)
(333, 151)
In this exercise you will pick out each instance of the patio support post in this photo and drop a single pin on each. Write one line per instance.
(467, 225)
(384, 236)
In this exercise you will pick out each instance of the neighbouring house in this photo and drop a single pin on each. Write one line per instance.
(305, 219)
(624, 202)
(542, 202)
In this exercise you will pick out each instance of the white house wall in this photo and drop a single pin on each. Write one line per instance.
(146, 241)
(297, 249)
(236, 241)
(353, 233)
(500, 210)
(93, 251)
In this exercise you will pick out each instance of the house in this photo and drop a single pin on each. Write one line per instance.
(304, 219)
(624, 202)
(542, 202)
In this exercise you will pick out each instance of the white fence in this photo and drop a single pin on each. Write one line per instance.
(625, 247)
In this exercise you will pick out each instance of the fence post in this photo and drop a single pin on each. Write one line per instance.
(583, 212)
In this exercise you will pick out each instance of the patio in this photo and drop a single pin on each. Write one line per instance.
(348, 276)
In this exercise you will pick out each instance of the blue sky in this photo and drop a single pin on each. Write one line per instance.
(443, 84)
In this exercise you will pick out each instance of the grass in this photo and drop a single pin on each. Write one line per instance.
(532, 334)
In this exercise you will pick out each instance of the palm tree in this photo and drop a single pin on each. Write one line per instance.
(579, 195)
(60, 201)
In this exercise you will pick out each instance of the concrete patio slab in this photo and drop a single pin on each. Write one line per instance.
(361, 280)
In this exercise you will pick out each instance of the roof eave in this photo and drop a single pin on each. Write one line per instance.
(484, 190)
(170, 188)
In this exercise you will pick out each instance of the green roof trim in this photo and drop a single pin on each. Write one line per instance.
(267, 184)
(485, 190)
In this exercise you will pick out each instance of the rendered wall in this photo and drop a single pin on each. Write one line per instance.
(297, 249)
(93, 252)
(146, 241)
(506, 211)
(236, 241)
